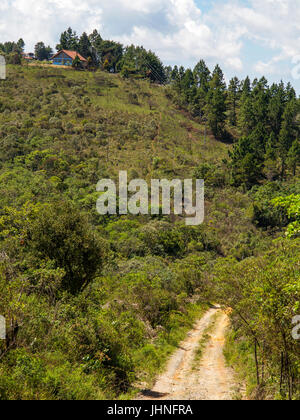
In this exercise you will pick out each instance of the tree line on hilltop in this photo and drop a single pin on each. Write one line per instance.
(263, 118)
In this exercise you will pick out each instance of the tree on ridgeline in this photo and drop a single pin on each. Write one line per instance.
(216, 103)
(189, 90)
(276, 106)
(232, 100)
(12, 47)
(96, 40)
(42, 52)
(21, 45)
(202, 77)
(84, 45)
(68, 41)
(111, 54)
(139, 61)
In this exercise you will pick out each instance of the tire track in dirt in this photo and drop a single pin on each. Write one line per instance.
(210, 379)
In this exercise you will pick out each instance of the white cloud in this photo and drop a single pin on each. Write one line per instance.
(274, 24)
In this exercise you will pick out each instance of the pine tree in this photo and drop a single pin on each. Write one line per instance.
(216, 103)
(77, 63)
(245, 113)
(202, 76)
(293, 158)
(175, 75)
(42, 52)
(290, 93)
(270, 158)
(96, 47)
(96, 40)
(246, 165)
(188, 88)
(21, 45)
(260, 100)
(232, 100)
(68, 41)
(246, 87)
(84, 46)
(288, 133)
(276, 107)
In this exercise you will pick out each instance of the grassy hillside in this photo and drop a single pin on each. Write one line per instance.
(96, 304)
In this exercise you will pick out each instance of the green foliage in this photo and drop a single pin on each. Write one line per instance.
(95, 305)
(261, 120)
(68, 41)
(138, 61)
(264, 294)
(291, 205)
(42, 52)
(60, 234)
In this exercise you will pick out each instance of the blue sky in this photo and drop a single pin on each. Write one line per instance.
(255, 37)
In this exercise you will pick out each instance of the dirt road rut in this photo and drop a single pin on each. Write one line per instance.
(207, 379)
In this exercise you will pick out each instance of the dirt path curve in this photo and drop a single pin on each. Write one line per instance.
(208, 379)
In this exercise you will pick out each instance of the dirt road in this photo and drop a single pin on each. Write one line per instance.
(208, 378)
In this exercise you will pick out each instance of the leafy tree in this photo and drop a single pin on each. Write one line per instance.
(42, 52)
(137, 60)
(61, 234)
(264, 295)
(14, 58)
(77, 63)
(291, 205)
(12, 47)
(111, 54)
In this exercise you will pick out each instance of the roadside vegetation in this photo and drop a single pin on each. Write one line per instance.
(95, 304)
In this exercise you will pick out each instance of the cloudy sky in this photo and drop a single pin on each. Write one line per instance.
(255, 37)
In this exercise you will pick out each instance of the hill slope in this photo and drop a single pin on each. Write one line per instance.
(95, 305)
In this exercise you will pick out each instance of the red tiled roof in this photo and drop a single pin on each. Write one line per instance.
(71, 54)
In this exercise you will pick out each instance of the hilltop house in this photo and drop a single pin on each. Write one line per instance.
(66, 58)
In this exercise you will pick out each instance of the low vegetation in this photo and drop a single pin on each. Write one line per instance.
(95, 304)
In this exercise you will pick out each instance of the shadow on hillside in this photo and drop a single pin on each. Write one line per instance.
(226, 137)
